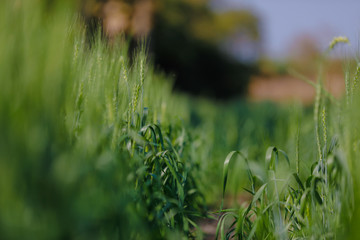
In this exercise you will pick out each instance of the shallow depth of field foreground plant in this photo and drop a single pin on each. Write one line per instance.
(88, 148)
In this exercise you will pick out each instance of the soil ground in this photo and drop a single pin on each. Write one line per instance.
(288, 88)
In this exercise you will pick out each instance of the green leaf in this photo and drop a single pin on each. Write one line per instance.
(226, 171)
(317, 197)
(269, 161)
(296, 176)
(259, 193)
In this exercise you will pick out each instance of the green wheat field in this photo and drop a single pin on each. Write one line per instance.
(94, 144)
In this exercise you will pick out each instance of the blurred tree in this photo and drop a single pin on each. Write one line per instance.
(207, 51)
(304, 52)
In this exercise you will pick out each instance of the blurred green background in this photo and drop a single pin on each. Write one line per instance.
(187, 39)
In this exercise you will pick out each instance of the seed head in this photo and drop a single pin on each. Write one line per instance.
(337, 40)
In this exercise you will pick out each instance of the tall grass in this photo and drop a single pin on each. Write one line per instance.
(88, 147)
(317, 205)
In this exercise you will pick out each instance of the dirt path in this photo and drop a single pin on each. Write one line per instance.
(208, 226)
(288, 88)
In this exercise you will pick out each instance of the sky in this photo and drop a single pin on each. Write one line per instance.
(283, 21)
